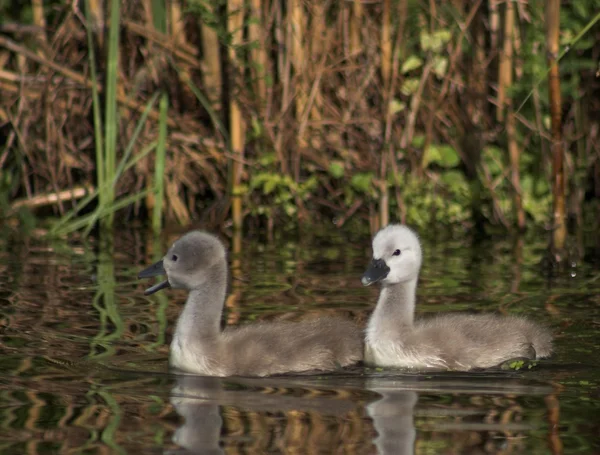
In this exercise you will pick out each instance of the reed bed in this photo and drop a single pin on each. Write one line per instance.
(295, 111)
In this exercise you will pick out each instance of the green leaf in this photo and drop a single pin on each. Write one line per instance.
(362, 182)
(336, 169)
(435, 41)
(411, 63)
(440, 65)
(266, 159)
(418, 140)
(396, 106)
(455, 180)
(443, 155)
(270, 185)
(409, 86)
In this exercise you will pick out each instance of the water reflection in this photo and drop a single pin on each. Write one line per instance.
(485, 410)
(195, 400)
(393, 419)
(267, 413)
(84, 355)
(400, 414)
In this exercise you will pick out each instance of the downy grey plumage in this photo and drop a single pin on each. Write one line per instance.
(450, 341)
(197, 262)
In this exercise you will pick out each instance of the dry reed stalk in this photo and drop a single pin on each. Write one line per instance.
(356, 27)
(283, 42)
(386, 67)
(211, 65)
(258, 54)
(178, 37)
(39, 19)
(40, 200)
(98, 24)
(319, 46)
(415, 102)
(494, 21)
(80, 79)
(177, 24)
(148, 11)
(235, 23)
(387, 140)
(183, 51)
(511, 130)
(559, 232)
(297, 23)
(505, 65)
(515, 179)
(386, 44)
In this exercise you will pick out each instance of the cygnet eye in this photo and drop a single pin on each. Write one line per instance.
(397, 253)
(174, 258)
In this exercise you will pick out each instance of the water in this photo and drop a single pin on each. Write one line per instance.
(84, 354)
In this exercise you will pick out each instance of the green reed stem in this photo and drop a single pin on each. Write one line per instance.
(159, 15)
(109, 433)
(98, 139)
(64, 227)
(105, 301)
(159, 164)
(112, 117)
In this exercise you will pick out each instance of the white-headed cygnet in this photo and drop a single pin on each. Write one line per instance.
(452, 341)
(197, 262)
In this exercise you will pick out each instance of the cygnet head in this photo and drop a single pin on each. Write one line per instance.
(187, 262)
(396, 256)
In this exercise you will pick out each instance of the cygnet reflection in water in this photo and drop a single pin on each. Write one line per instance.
(450, 341)
(200, 401)
(447, 403)
(197, 262)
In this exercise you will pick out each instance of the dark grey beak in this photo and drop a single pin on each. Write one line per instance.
(376, 271)
(154, 270)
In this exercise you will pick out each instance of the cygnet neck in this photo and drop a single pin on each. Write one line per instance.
(201, 315)
(395, 306)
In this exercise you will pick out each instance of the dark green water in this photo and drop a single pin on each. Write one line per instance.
(83, 354)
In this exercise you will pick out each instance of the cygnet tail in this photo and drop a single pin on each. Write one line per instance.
(541, 339)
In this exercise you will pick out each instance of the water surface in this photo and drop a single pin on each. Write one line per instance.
(84, 354)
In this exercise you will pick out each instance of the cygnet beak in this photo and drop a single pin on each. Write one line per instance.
(155, 269)
(376, 271)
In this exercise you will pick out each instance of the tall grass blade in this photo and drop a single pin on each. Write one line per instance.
(61, 227)
(159, 165)
(159, 15)
(111, 120)
(123, 166)
(98, 139)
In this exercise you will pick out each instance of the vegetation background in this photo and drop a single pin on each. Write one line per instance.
(276, 112)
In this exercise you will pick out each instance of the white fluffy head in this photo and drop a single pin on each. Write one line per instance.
(399, 247)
